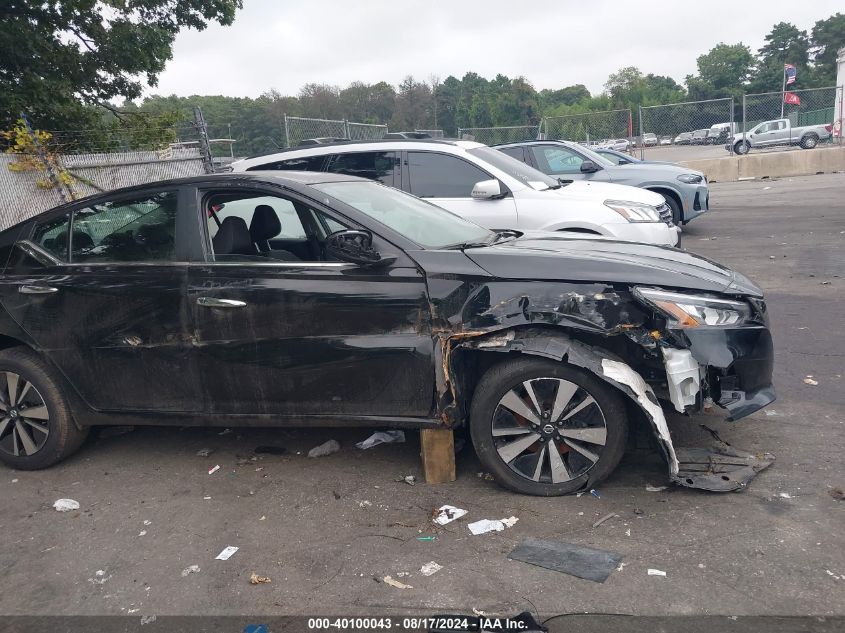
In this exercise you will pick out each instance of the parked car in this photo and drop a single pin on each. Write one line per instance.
(649, 139)
(719, 133)
(684, 138)
(685, 190)
(339, 301)
(665, 140)
(780, 132)
(485, 186)
(620, 145)
(699, 137)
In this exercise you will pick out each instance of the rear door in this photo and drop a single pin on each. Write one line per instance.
(310, 337)
(447, 181)
(104, 298)
(381, 166)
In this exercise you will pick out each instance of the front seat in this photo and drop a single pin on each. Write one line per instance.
(232, 239)
(265, 224)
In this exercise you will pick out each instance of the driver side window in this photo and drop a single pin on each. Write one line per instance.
(557, 160)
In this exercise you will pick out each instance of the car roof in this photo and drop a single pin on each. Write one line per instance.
(362, 143)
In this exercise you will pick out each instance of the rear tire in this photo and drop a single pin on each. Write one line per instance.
(809, 141)
(579, 417)
(36, 426)
(742, 147)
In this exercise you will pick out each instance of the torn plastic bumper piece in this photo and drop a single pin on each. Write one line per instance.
(722, 469)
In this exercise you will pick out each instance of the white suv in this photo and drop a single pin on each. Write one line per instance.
(486, 186)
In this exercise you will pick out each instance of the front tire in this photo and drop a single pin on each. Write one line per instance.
(36, 427)
(578, 425)
(677, 216)
(742, 147)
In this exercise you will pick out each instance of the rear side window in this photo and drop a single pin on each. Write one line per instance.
(131, 230)
(516, 152)
(434, 175)
(304, 163)
(370, 165)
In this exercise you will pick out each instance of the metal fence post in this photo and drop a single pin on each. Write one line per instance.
(733, 131)
(287, 131)
(346, 129)
(743, 120)
(642, 145)
(205, 146)
(460, 135)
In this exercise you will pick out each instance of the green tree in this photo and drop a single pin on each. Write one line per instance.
(63, 55)
(722, 72)
(785, 44)
(827, 37)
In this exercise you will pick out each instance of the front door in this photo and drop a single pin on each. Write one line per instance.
(563, 163)
(448, 180)
(104, 299)
(292, 334)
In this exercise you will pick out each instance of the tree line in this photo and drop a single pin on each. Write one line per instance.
(63, 96)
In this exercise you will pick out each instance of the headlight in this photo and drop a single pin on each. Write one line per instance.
(695, 310)
(690, 179)
(634, 211)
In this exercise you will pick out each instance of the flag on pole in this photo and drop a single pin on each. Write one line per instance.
(791, 98)
(790, 72)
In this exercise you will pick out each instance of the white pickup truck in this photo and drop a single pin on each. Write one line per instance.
(779, 132)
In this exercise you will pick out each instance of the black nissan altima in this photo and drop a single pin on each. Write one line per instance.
(313, 299)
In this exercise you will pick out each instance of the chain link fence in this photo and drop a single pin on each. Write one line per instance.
(664, 129)
(41, 169)
(298, 129)
(791, 119)
(589, 128)
(496, 135)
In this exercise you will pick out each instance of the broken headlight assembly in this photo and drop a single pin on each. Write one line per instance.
(634, 211)
(688, 311)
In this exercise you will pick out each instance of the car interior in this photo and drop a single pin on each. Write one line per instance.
(252, 226)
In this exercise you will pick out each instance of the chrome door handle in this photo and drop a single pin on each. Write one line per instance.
(36, 290)
(214, 302)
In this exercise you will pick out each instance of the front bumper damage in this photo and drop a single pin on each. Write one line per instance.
(738, 360)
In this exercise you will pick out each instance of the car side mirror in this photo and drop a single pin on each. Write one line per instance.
(356, 247)
(486, 189)
(588, 167)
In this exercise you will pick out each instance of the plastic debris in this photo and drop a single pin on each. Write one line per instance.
(147, 522)
(382, 437)
(656, 572)
(447, 514)
(227, 552)
(834, 576)
(14, 481)
(582, 562)
(595, 493)
(395, 583)
(225, 432)
(66, 505)
(204, 452)
(478, 612)
(606, 517)
(99, 578)
(214, 469)
(809, 381)
(255, 579)
(207, 498)
(487, 525)
(410, 480)
(191, 569)
(650, 488)
(142, 533)
(784, 495)
(429, 569)
(326, 448)
(426, 538)
(270, 450)
(364, 504)
(263, 517)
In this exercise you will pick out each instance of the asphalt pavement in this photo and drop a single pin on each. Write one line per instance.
(326, 530)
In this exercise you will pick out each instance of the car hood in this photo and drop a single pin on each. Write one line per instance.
(590, 191)
(553, 256)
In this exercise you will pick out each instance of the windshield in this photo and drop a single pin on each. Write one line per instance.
(514, 168)
(421, 222)
(598, 159)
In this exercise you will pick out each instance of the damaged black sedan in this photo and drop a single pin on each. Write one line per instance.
(315, 299)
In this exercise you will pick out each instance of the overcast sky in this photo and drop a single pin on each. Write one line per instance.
(284, 44)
